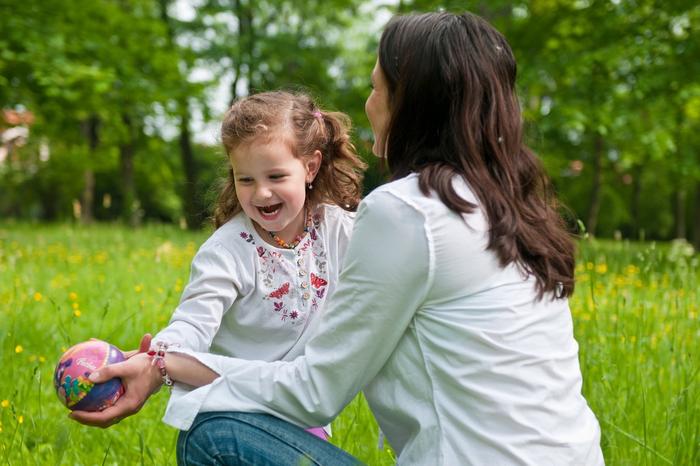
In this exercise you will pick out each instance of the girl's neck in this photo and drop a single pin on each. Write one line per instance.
(289, 238)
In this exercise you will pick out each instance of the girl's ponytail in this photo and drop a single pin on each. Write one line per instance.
(339, 179)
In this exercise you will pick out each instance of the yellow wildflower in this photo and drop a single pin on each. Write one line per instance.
(20, 419)
(5, 403)
(73, 296)
(620, 281)
(601, 268)
(77, 313)
(42, 359)
(32, 358)
(18, 349)
(138, 288)
(38, 297)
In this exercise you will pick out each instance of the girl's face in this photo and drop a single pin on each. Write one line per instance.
(377, 109)
(271, 183)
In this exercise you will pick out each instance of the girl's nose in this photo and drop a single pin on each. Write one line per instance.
(263, 192)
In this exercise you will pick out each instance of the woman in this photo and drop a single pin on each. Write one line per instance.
(451, 312)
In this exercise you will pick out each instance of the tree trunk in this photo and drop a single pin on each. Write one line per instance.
(594, 206)
(680, 218)
(696, 218)
(90, 128)
(246, 33)
(636, 202)
(194, 211)
(130, 214)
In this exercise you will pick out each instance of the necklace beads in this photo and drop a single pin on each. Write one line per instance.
(297, 239)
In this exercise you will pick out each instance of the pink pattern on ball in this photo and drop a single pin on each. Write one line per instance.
(71, 381)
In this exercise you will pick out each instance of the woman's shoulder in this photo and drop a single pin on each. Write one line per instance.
(408, 185)
(405, 190)
(408, 190)
(331, 213)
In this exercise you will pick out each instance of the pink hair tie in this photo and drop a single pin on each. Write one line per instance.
(317, 115)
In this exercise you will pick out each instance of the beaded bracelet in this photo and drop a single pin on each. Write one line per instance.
(158, 355)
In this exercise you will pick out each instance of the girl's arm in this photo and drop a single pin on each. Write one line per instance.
(215, 280)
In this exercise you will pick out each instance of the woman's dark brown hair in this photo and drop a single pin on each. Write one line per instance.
(296, 119)
(454, 110)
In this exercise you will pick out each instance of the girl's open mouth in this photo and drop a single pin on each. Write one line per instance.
(270, 210)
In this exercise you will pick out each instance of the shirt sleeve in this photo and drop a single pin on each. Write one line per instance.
(384, 281)
(211, 291)
(347, 221)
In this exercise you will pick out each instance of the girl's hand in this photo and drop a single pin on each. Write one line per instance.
(144, 346)
(140, 378)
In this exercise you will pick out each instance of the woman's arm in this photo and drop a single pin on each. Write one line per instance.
(384, 282)
(385, 279)
(141, 379)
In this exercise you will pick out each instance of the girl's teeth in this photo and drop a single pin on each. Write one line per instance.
(269, 210)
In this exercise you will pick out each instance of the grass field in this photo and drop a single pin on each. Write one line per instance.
(635, 310)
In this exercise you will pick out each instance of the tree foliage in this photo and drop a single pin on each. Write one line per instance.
(609, 89)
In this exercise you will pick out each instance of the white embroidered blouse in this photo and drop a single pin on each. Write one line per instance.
(251, 300)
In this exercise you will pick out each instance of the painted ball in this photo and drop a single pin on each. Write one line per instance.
(71, 381)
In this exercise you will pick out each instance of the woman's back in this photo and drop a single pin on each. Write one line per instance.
(484, 373)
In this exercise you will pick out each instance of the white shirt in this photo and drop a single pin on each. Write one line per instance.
(251, 300)
(460, 363)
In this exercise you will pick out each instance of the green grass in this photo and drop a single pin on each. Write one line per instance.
(635, 311)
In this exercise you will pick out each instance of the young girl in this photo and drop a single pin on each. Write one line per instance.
(283, 222)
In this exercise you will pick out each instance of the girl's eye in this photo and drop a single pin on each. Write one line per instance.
(276, 177)
(245, 180)
(371, 85)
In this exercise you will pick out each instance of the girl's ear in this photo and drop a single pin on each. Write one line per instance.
(313, 163)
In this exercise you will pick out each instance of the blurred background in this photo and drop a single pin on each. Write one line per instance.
(110, 108)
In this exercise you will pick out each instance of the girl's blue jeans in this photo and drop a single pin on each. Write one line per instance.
(231, 438)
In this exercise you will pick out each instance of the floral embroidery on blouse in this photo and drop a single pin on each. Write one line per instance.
(279, 276)
(248, 237)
